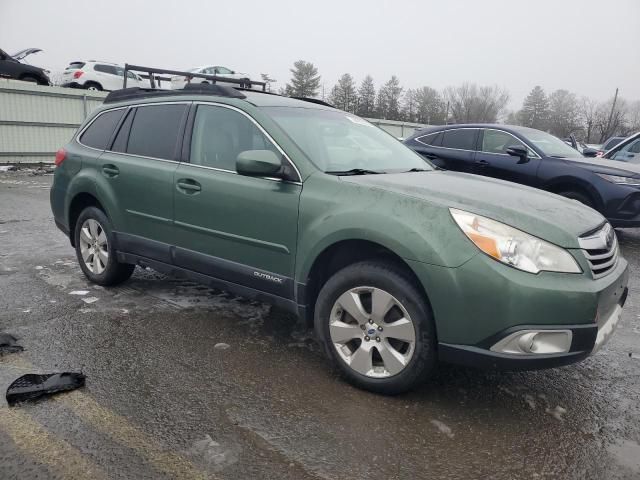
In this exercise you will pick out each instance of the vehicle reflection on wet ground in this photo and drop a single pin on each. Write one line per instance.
(162, 402)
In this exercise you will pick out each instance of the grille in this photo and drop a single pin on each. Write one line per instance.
(601, 250)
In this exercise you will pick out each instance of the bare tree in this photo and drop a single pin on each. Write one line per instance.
(470, 103)
(564, 115)
(266, 78)
(587, 111)
(430, 106)
(611, 118)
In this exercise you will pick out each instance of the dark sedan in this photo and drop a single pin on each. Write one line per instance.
(537, 159)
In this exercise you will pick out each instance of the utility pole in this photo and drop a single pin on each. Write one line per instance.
(613, 107)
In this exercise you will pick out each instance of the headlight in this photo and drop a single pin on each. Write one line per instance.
(514, 247)
(620, 180)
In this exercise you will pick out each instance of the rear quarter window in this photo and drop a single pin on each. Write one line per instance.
(99, 132)
(75, 65)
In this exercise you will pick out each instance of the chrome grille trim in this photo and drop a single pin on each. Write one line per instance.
(601, 250)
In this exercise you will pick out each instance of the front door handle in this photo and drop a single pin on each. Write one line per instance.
(430, 156)
(188, 186)
(110, 170)
(482, 163)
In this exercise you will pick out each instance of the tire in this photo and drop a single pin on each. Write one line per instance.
(101, 268)
(579, 196)
(93, 86)
(378, 371)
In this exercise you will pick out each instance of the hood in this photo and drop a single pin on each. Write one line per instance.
(25, 53)
(603, 165)
(545, 215)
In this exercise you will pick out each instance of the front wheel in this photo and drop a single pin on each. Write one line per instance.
(96, 251)
(377, 327)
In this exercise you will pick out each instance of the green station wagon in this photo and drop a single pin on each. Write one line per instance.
(397, 264)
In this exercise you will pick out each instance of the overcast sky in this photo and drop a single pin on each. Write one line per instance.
(587, 46)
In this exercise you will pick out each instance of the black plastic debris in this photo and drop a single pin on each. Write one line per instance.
(8, 344)
(33, 386)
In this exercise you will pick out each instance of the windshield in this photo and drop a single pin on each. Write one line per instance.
(551, 146)
(339, 142)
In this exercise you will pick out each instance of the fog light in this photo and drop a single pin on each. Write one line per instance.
(535, 342)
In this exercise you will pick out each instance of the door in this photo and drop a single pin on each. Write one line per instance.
(493, 160)
(453, 149)
(237, 228)
(136, 176)
(107, 76)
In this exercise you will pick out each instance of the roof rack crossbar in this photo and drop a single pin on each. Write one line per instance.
(151, 71)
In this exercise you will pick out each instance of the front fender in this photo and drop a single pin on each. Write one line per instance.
(332, 211)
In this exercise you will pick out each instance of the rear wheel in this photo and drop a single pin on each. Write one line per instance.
(95, 249)
(93, 86)
(579, 196)
(376, 327)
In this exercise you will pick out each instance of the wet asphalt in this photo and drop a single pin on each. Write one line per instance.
(187, 382)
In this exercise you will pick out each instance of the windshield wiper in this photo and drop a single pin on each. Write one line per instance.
(417, 170)
(353, 171)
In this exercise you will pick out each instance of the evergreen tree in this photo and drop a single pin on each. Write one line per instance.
(343, 95)
(305, 80)
(367, 98)
(389, 99)
(535, 110)
(564, 113)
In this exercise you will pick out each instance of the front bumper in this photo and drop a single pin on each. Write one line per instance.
(480, 303)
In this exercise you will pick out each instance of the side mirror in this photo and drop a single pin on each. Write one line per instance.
(259, 163)
(590, 152)
(519, 151)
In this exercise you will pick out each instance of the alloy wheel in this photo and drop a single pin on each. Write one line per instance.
(94, 246)
(372, 332)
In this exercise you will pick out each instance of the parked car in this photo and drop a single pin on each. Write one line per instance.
(178, 82)
(95, 75)
(536, 159)
(398, 264)
(626, 151)
(609, 144)
(11, 66)
(581, 147)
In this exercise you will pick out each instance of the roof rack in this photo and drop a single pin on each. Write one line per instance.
(317, 101)
(190, 89)
(151, 71)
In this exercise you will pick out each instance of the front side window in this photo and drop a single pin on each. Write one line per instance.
(427, 139)
(98, 134)
(550, 145)
(495, 141)
(461, 139)
(223, 71)
(220, 134)
(155, 129)
(336, 141)
(629, 153)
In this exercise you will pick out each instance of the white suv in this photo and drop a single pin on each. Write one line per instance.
(179, 82)
(94, 75)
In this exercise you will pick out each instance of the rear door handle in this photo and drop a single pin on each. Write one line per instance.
(110, 170)
(482, 163)
(188, 186)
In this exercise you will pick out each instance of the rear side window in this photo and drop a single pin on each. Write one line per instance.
(99, 132)
(75, 65)
(154, 131)
(110, 69)
(462, 139)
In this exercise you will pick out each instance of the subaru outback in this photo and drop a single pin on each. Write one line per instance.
(397, 264)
